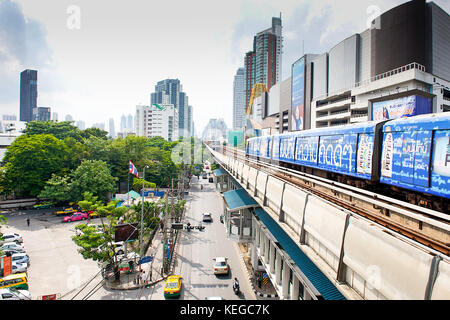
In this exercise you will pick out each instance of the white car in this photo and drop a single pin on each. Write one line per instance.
(12, 294)
(221, 266)
(207, 217)
(18, 267)
(14, 246)
(119, 248)
(12, 237)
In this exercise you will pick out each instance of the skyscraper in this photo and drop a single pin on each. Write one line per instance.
(239, 99)
(112, 131)
(263, 63)
(28, 94)
(169, 91)
(41, 114)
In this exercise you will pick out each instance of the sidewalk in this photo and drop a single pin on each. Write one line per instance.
(128, 280)
(266, 290)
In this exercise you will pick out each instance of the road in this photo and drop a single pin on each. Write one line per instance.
(197, 249)
(57, 267)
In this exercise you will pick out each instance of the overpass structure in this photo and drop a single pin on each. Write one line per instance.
(312, 248)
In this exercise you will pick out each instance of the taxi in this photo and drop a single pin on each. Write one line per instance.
(172, 288)
(65, 211)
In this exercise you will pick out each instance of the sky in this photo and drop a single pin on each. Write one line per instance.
(98, 59)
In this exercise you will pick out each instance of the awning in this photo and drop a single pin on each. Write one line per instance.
(318, 279)
(220, 172)
(239, 199)
(133, 194)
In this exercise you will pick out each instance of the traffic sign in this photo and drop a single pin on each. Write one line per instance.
(145, 259)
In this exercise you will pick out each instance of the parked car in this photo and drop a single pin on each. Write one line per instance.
(172, 288)
(20, 257)
(66, 211)
(207, 217)
(76, 217)
(13, 294)
(13, 246)
(42, 206)
(221, 266)
(119, 247)
(17, 267)
(204, 176)
(11, 237)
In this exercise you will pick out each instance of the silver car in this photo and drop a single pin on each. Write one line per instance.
(13, 246)
(12, 294)
(12, 237)
(20, 258)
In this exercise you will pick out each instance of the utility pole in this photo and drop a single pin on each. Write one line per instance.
(141, 244)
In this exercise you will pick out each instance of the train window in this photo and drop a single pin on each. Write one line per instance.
(441, 154)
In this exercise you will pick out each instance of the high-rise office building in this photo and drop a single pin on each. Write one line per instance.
(41, 114)
(263, 63)
(130, 123)
(239, 99)
(28, 94)
(169, 91)
(80, 125)
(112, 130)
(55, 116)
(123, 123)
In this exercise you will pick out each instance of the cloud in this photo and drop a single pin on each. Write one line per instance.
(23, 45)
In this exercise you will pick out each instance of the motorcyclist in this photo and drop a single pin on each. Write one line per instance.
(236, 285)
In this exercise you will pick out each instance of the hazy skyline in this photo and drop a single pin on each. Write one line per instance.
(122, 49)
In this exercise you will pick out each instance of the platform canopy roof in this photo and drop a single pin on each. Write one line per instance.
(239, 199)
(220, 172)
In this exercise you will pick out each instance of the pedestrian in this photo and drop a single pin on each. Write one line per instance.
(259, 281)
(28, 221)
(143, 278)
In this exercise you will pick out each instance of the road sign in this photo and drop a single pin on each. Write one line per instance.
(7, 265)
(145, 259)
(56, 296)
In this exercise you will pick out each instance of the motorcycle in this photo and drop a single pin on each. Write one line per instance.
(236, 287)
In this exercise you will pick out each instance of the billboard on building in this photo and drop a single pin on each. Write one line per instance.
(401, 107)
(298, 94)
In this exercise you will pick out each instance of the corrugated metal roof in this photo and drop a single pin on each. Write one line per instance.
(219, 172)
(239, 199)
(322, 284)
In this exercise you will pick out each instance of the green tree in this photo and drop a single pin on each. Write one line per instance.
(57, 189)
(99, 133)
(93, 176)
(59, 130)
(137, 184)
(31, 160)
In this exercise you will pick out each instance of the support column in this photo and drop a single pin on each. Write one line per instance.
(279, 260)
(285, 280)
(271, 258)
(295, 287)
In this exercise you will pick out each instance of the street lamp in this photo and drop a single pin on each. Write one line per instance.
(142, 214)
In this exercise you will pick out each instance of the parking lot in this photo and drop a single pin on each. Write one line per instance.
(56, 266)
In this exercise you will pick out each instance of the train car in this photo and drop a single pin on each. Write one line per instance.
(253, 147)
(351, 150)
(416, 155)
(265, 148)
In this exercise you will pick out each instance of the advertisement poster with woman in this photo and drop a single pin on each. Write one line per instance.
(298, 94)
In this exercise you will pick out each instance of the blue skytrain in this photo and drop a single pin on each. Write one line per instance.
(410, 153)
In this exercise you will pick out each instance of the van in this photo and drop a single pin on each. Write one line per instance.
(18, 281)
